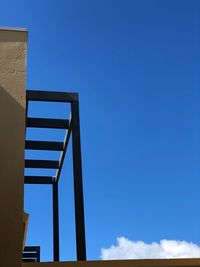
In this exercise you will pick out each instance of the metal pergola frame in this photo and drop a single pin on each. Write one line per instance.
(72, 126)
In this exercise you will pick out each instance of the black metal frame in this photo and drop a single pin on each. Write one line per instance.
(72, 127)
(31, 254)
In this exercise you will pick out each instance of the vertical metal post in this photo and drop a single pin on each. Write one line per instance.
(55, 222)
(38, 254)
(78, 185)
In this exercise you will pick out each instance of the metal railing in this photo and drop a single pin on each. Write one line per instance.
(31, 254)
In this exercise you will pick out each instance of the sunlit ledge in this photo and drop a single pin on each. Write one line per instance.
(120, 263)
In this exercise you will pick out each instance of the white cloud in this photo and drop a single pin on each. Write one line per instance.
(127, 249)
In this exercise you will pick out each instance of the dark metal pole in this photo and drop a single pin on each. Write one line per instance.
(55, 222)
(38, 254)
(78, 185)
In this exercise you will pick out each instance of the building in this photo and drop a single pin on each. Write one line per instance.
(13, 117)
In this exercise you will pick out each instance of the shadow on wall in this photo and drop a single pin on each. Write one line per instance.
(12, 134)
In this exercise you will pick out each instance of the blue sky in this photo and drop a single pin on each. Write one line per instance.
(136, 66)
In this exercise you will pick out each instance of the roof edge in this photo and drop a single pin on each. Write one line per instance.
(13, 29)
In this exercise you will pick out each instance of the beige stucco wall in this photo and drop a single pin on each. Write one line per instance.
(121, 263)
(13, 46)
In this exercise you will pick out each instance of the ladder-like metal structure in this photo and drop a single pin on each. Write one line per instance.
(72, 127)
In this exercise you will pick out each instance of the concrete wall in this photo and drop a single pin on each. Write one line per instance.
(121, 263)
(13, 46)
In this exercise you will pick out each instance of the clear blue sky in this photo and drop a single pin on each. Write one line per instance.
(136, 67)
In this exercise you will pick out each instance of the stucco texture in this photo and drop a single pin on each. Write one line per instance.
(12, 135)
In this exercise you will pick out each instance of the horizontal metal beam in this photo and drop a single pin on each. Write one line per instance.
(44, 145)
(29, 260)
(47, 164)
(38, 180)
(50, 96)
(32, 248)
(32, 255)
(47, 123)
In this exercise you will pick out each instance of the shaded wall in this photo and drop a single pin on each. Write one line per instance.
(13, 45)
